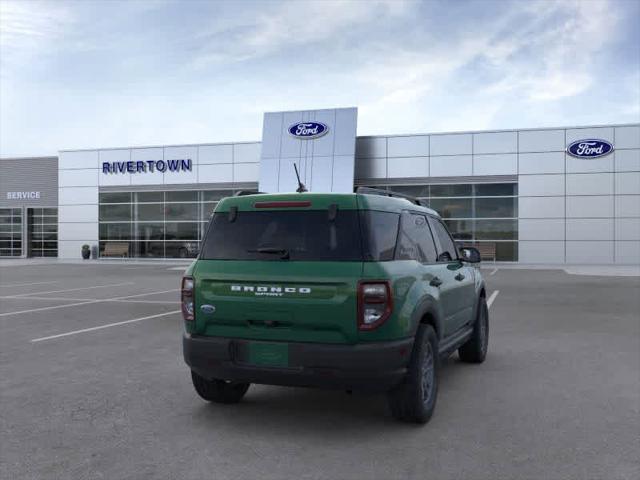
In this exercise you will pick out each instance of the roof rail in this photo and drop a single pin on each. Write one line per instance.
(242, 193)
(391, 193)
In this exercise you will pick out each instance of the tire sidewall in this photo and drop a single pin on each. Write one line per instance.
(483, 327)
(426, 337)
(431, 340)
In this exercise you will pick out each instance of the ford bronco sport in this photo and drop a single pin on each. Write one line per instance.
(363, 291)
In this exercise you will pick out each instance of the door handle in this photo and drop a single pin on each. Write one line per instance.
(459, 277)
(435, 282)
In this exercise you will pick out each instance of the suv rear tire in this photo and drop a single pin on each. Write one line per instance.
(218, 391)
(475, 349)
(415, 399)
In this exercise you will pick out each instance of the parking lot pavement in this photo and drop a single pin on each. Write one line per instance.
(108, 395)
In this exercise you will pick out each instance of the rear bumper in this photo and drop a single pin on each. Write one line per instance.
(372, 367)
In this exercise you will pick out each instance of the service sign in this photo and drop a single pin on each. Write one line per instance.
(308, 130)
(589, 148)
(23, 195)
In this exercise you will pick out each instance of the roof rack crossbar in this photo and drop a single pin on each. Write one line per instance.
(391, 193)
(242, 193)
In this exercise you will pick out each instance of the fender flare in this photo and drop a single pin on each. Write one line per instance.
(429, 306)
(476, 302)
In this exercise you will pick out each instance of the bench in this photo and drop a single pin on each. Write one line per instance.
(116, 250)
(487, 250)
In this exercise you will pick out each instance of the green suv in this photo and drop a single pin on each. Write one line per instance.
(363, 291)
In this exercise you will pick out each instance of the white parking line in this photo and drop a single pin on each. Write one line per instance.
(75, 289)
(87, 302)
(84, 330)
(493, 272)
(25, 284)
(23, 297)
(67, 299)
(144, 294)
(492, 297)
(41, 309)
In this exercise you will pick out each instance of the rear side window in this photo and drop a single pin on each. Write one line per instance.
(380, 230)
(279, 235)
(447, 250)
(415, 241)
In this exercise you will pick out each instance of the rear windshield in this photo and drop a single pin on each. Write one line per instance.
(284, 235)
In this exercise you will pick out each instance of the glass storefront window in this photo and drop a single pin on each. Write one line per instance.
(115, 231)
(413, 190)
(115, 213)
(496, 207)
(216, 195)
(149, 212)
(496, 229)
(460, 229)
(475, 213)
(496, 189)
(181, 211)
(452, 207)
(456, 190)
(507, 251)
(149, 197)
(148, 249)
(182, 249)
(189, 196)
(116, 197)
(181, 231)
(149, 231)
(155, 224)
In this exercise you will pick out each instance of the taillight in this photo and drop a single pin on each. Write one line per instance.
(375, 304)
(186, 298)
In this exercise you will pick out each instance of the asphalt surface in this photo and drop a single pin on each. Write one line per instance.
(558, 396)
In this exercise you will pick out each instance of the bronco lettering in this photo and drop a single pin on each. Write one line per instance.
(270, 290)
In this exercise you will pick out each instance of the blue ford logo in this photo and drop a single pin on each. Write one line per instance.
(590, 148)
(308, 130)
(208, 309)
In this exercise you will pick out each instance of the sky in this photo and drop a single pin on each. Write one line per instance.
(86, 74)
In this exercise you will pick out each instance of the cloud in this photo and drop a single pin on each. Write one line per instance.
(29, 27)
(530, 53)
(117, 73)
(287, 25)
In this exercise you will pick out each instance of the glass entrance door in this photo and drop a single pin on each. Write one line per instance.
(42, 232)
(10, 232)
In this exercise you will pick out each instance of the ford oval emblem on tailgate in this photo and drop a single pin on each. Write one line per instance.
(208, 309)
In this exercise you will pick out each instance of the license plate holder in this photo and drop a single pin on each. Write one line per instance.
(268, 354)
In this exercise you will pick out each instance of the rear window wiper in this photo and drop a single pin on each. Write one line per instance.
(283, 252)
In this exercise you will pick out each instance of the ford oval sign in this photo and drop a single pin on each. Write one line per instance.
(590, 148)
(308, 130)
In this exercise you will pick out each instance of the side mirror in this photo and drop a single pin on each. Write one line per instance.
(470, 254)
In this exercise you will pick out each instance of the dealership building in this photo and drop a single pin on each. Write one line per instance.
(544, 195)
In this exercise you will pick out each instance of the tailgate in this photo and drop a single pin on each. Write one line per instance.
(282, 301)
